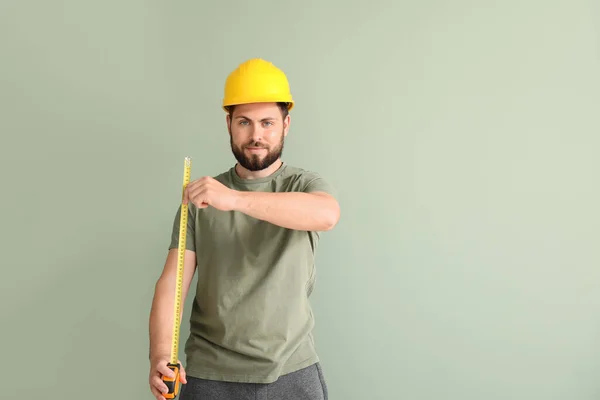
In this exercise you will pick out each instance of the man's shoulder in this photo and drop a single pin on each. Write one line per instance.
(300, 173)
(307, 180)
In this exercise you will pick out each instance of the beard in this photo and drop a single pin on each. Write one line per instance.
(254, 162)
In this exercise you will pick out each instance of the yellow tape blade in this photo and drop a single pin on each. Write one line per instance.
(180, 262)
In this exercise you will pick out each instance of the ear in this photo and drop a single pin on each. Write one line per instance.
(228, 120)
(286, 124)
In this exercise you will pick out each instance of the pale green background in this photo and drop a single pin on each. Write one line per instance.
(463, 138)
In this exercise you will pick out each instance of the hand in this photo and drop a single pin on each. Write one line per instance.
(158, 368)
(208, 191)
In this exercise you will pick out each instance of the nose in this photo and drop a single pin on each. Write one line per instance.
(256, 133)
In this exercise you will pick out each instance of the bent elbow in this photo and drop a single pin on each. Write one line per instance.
(332, 217)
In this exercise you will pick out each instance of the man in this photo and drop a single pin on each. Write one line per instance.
(252, 233)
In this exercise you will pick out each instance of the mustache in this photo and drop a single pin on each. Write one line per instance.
(256, 144)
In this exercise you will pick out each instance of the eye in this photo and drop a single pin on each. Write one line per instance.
(243, 122)
(268, 123)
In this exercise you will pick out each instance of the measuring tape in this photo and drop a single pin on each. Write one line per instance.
(173, 383)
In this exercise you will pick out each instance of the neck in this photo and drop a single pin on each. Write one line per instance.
(247, 174)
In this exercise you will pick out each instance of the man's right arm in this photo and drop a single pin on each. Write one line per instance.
(163, 303)
(161, 318)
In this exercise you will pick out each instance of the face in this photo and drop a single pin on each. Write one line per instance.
(257, 133)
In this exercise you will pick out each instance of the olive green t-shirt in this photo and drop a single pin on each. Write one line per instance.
(251, 320)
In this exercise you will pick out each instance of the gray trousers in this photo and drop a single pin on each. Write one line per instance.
(305, 384)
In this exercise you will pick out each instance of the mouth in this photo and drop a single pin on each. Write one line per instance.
(255, 149)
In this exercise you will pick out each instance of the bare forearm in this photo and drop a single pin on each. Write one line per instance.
(161, 318)
(293, 210)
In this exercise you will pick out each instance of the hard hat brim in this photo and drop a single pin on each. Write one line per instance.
(290, 103)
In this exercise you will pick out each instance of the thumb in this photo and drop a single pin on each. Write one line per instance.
(185, 196)
(164, 370)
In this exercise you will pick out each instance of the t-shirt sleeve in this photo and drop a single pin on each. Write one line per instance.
(316, 183)
(190, 240)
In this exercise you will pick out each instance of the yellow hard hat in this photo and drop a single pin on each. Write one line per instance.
(257, 81)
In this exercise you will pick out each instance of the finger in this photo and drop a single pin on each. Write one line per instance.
(182, 374)
(186, 193)
(189, 189)
(191, 194)
(159, 385)
(162, 369)
(156, 393)
(185, 198)
(199, 197)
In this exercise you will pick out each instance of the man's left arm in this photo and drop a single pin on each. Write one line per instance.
(313, 209)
